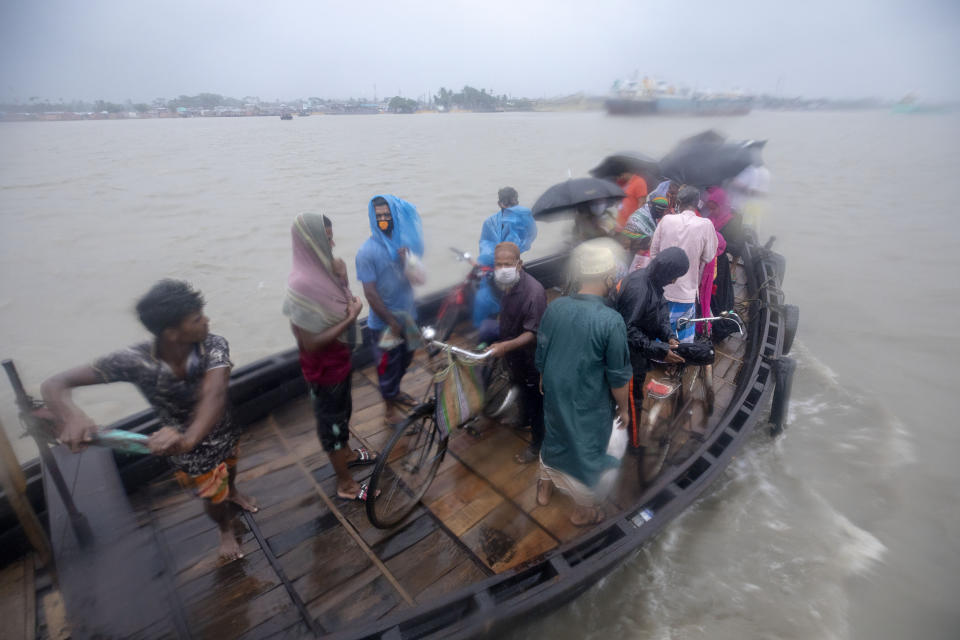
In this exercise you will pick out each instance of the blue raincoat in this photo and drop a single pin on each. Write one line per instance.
(407, 230)
(513, 224)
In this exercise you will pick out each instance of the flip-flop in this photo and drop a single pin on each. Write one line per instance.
(361, 495)
(405, 399)
(364, 457)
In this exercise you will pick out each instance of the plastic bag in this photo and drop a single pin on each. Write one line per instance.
(616, 447)
(459, 391)
(414, 270)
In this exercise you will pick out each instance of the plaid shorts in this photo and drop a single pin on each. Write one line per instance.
(683, 310)
(214, 485)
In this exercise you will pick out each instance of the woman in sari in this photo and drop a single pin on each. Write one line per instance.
(323, 314)
(718, 212)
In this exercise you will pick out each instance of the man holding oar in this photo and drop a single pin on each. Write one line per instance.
(183, 373)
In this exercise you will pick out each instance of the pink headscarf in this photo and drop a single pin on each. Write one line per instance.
(720, 213)
(316, 298)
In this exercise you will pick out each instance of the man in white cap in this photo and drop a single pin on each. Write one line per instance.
(584, 363)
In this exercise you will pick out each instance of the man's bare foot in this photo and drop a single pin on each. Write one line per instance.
(245, 502)
(586, 516)
(229, 547)
(348, 491)
(544, 492)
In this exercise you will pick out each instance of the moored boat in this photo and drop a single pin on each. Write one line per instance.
(476, 554)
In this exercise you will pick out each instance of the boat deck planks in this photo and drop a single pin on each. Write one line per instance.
(18, 600)
(320, 554)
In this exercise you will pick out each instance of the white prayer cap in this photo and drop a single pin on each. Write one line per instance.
(597, 257)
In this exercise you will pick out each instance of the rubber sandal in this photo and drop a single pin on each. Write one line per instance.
(404, 399)
(361, 494)
(364, 457)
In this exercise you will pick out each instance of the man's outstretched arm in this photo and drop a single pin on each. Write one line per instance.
(77, 428)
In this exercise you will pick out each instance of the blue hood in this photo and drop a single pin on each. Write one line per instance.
(407, 230)
(514, 224)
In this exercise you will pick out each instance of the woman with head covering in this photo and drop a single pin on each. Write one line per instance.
(647, 316)
(635, 238)
(718, 212)
(323, 314)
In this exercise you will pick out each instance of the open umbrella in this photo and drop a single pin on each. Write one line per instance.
(644, 166)
(567, 195)
(704, 164)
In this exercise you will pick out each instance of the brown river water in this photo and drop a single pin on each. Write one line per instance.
(846, 527)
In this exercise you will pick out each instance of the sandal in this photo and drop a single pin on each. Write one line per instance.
(361, 496)
(364, 457)
(597, 515)
(404, 399)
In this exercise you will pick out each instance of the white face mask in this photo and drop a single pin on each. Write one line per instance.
(506, 276)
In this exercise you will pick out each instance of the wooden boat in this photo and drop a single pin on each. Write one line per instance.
(477, 554)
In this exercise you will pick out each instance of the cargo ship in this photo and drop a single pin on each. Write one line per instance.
(633, 98)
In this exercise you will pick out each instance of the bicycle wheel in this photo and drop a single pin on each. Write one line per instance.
(406, 468)
(709, 393)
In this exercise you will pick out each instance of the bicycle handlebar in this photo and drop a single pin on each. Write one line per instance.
(429, 332)
(724, 315)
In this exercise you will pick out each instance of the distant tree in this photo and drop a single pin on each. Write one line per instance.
(141, 107)
(402, 105)
(109, 107)
(444, 98)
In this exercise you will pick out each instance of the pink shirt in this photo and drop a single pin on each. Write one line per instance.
(698, 239)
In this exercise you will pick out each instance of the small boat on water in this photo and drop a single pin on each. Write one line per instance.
(133, 555)
(286, 116)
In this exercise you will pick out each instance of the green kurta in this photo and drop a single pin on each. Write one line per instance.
(582, 353)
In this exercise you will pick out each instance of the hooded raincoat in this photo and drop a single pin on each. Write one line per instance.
(644, 309)
(378, 260)
(513, 224)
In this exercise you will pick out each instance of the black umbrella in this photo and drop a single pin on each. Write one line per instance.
(707, 137)
(704, 164)
(644, 166)
(567, 195)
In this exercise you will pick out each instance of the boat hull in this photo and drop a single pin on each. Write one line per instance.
(678, 106)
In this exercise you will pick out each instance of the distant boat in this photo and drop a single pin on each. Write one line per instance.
(910, 104)
(286, 116)
(632, 98)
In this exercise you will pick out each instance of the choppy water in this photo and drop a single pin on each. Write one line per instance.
(846, 527)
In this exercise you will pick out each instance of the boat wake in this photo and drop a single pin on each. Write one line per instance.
(771, 551)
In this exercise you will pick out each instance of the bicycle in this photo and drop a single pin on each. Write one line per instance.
(671, 393)
(461, 297)
(408, 463)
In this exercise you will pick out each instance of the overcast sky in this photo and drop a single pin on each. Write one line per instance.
(142, 49)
